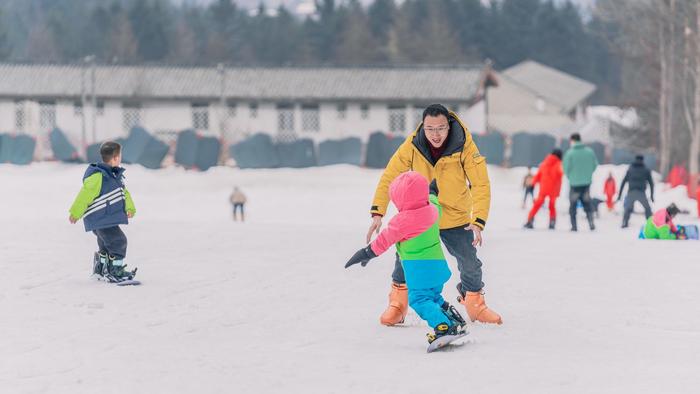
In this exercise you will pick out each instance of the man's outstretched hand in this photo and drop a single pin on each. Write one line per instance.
(374, 227)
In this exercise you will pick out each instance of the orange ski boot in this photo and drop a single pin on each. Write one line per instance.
(395, 313)
(476, 307)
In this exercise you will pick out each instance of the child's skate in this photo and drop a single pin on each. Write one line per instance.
(99, 263)
(454, 316)
(444, 335)
(114, 271)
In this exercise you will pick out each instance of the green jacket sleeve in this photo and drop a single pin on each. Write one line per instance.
(129, 202)
(88, 193)
(434, 200)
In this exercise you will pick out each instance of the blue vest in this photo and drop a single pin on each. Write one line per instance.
(109, 208)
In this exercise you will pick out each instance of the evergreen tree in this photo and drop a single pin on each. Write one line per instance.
(151, 24)
(357, 44)
(5, 49)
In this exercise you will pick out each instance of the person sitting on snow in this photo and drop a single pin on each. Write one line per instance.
(416, 234)
(660, 225)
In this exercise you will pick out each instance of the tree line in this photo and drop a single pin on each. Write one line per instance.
(658, 43)
(385, 32)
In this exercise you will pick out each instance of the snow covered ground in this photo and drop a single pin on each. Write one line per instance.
(267, 307)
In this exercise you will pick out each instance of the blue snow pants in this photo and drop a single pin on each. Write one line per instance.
(428, 305)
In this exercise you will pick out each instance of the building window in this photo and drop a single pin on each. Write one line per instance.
(285, 122)
(20, 116)
(200, 116)
(131, 116)
(310, 119)
(342, 111)
(47, 115)
(418, 115)
(364, 111)
(397, 119)
(231, 109)
(253, 110)
(77, 108)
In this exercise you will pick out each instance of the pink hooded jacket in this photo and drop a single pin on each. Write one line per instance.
(409, 193)
(661, 218)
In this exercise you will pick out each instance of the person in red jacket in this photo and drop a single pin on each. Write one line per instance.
(610, 189)
(549, 178)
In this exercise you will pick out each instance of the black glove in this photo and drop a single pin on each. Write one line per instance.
(433, 187)
(652, 198)
(362, 256)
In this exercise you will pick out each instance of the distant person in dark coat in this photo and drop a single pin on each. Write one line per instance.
(638, 176)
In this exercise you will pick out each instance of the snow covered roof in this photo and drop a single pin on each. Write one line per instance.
(286, 83)
(556, 87)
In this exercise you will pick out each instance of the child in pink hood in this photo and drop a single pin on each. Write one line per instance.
(660, 225)
(415, 232)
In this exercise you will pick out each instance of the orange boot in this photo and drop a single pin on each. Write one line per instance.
(477, 309)
(398, 305)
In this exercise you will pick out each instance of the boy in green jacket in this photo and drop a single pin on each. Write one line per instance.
(104, 203)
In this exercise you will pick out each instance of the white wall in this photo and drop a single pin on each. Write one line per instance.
(7, 116)
(172, 116)
(474, 117)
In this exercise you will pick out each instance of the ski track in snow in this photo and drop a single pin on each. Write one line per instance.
(267, 306)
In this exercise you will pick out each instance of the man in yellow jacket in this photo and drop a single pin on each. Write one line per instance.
(442, 149)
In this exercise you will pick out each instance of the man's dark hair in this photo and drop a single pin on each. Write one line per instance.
(576, 137)
(436, 110)
(639, 158)
(557, 153)
(109, 150)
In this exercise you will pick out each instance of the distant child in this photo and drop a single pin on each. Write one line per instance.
(610, 189)
(238, 201)
(529, 186)
(415, 232)
(660, 225)
(104, 204)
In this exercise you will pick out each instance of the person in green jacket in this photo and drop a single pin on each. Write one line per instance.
(579, 164)
(104, 203)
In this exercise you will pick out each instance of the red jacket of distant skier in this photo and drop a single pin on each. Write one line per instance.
(549, 176)
(610, 187)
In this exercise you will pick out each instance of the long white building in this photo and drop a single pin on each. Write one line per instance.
(94, 103)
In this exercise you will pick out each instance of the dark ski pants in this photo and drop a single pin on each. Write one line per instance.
(529, 191)
(458, 243)
(583, 194)
(630, 199)
(111, 240)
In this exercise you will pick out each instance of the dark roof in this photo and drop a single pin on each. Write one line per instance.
(286, 83)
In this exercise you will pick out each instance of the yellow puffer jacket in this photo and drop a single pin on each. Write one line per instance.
(462, 178)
